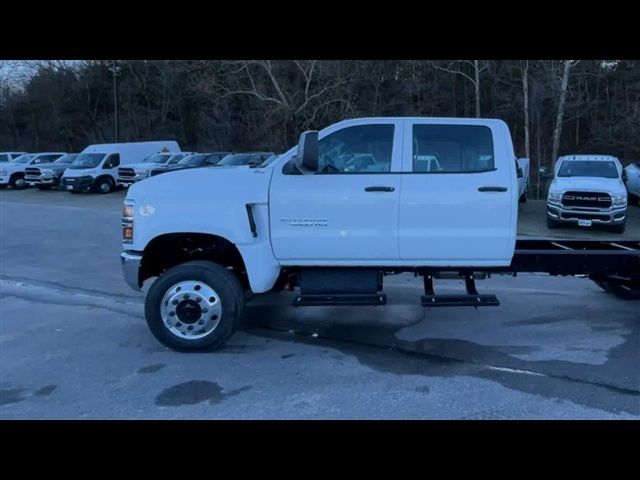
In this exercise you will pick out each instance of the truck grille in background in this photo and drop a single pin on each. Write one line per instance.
(585, 216)
(586, 200)
(32, 172)
(126, 172)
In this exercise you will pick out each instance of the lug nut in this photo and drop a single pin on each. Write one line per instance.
(186, 295)
(204, 310)
(171, 314)
(198, 299)
(175, 302)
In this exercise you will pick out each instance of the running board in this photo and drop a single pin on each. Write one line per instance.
(339, 299)
(459, 301)
(471, 299)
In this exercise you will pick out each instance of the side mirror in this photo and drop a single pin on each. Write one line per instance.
(624, 176)
(520, 172)
(307, 158)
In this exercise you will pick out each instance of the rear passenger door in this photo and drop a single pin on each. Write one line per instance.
(457, 195)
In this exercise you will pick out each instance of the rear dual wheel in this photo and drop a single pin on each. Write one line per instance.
(626, 291)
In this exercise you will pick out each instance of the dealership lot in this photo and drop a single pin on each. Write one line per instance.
(73, 342)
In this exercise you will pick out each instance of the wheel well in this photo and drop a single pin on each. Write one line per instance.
(169, 250)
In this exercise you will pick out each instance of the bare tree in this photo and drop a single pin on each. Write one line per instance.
(456, 67)
(557, 130)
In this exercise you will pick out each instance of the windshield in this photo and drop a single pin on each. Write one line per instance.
(66, 158)
(241, 159)
(588, 168)
(23, 158)
(158, 158)
(192, 160)
(87, 160)
(270, 160)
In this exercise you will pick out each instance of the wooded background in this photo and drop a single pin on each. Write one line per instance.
(551, 106)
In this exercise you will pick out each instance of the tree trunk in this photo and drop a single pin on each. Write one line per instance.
(477, 86)
(525, 91)
(558, 127)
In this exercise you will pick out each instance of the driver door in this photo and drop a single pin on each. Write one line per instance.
(346, 211)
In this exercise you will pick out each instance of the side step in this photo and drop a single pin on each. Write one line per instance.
(339, 299)
(471, 299)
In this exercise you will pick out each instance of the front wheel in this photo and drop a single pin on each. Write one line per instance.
(17, 182)
(104, 185)
(618, 228)
(195, 306)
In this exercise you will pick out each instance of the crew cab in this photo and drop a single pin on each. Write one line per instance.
(48, 175)
(195, 160)
(12, 173)
(631, 178)
(587, 190)
(139, 171)
(331, 217)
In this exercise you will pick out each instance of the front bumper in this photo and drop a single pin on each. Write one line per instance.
(78, 184)
(128, 181)
(130, 268)
(41, 180)
(615, 216)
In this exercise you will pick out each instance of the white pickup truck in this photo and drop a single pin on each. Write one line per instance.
(351, 204)
(587, 190)
(523, 167)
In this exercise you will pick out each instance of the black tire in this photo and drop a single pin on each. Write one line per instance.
(17, 182)
(604, 285)
(104, 185)
(551, 223)
(2, 187)
(618, 228)
(221, 280)
(625, 292)
(43, 187)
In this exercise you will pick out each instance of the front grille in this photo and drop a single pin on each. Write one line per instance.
(32, 172)
(585, 216)
(586, 200)
(126, 172)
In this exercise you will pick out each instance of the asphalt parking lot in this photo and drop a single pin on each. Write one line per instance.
(74, 344)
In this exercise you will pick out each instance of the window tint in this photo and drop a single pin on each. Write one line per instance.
(358, 149)
(112, 162)
(452, 148)
(16, 155)
(4, 158)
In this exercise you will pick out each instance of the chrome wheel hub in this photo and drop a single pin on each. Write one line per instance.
(191, 309)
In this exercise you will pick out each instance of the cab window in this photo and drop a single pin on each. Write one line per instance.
(452, 149)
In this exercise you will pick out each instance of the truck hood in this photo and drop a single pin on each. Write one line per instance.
(143, 165)
(611, 185)
(206, 186)
(80, 172)
(11, 167)
(55, 168)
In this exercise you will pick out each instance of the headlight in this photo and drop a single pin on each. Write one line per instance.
(127, 221)
(46, 171)
(554, 197)
(142, 172)
(619, 200)
(3, 172)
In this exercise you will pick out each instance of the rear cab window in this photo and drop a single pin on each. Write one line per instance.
(451, 149)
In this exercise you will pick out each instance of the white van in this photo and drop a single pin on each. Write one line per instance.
(96, 168)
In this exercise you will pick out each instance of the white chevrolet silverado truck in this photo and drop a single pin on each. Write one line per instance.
(328, 219)
(587, 190)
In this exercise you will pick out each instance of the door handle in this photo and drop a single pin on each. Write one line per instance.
(492, 189)
(379, 189)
